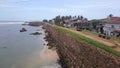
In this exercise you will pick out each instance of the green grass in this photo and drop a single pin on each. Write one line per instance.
(89, 32)
(113, 39)
(90, 41)
(117, 39)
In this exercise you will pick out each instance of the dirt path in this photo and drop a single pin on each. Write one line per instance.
(101, 40)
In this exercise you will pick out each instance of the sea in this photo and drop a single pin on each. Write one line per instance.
(23, 50)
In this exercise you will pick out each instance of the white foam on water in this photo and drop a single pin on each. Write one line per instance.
(47, 58)
(50, 57)
(6, 23)
(13, 66)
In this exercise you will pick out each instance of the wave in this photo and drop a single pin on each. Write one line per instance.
(50, 58)
(47, 58)
(11, 23)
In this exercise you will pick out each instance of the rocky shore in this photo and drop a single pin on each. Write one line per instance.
(51, 43)
(35, 23)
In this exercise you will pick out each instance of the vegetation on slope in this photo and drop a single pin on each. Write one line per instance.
(90, 41)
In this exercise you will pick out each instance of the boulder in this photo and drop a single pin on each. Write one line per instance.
(36, 33)
(23, 30)
(4, 47)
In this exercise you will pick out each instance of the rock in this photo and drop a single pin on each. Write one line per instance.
(38, 30)
(24, 24)
(43, 27)
(23, 30)
(35, 23)
(36, 33)
(44, 44)
(4, 47)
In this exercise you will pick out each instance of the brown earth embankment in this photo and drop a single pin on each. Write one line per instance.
(75, 53)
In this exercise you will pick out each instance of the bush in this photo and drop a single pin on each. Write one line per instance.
(99, 35)
(108, 37)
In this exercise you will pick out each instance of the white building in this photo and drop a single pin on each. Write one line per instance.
(112, 26)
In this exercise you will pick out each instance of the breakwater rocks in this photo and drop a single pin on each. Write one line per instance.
(74, 53)
(35, 23)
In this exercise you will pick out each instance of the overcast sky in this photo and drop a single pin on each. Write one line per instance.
(40, 9)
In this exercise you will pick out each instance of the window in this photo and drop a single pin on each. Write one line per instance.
(112, 26)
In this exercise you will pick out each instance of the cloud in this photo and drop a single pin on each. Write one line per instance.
(67, 8)
(103, 4)
(24, 0)
(6, 6)
(11, 3)
(19, 1)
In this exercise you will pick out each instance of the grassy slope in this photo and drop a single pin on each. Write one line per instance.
(90, 41)
(113, 39)
(117, 39)
(90, 33)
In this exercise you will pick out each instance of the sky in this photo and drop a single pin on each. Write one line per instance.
(32, 10)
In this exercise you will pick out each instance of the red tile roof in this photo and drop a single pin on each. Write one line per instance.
(117, 31)
(113, 20)
(67, 21)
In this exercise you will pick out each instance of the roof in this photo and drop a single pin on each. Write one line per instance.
(67, 21)
(113, 20)
(83, 21)
(72, 21)
(117, 31)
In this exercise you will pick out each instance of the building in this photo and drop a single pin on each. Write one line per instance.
(68, 23)
(83, 25)
(112, 26)
(52, 21)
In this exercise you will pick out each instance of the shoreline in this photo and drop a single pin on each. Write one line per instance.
(52, 45)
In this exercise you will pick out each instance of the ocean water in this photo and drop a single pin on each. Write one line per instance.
(24, 50)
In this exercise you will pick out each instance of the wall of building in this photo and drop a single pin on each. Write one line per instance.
(108, 29)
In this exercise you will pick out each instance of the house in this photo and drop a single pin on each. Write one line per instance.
(68, 23)
(83, 24)
(52, 21)
(112, 26)
(97, 25)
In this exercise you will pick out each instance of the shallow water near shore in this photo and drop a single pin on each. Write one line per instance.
(21, 50)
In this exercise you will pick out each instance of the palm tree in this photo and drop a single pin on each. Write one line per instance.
(110, 15)
(70, 16)
(78, 17)
(81, 17)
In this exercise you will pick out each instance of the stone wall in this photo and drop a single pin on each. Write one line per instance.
(75, 53)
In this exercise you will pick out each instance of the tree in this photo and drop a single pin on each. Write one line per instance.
(110, 15)
(81, 17)
(70, 16)
(58, 19)
(63, 18)
(45, 20)
(67, 17)
(78, 17)
(95, 23)
(75, 17)
(50, 21)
